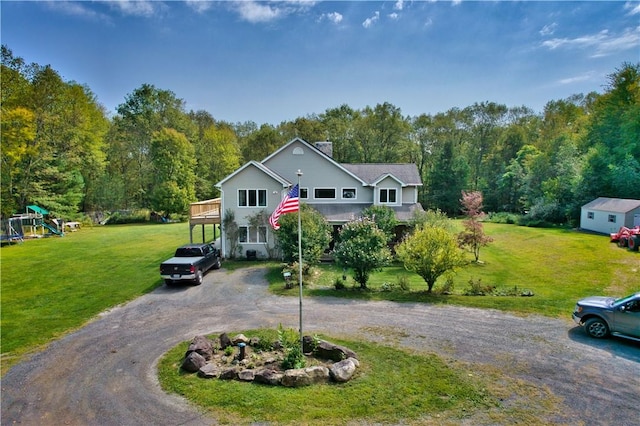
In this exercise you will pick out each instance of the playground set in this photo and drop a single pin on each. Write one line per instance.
(33, 224)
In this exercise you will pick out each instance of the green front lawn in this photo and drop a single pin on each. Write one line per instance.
(392, 386)
(557, 266)
(54, 285)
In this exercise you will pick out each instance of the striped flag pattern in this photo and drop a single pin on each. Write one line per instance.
(289, 204)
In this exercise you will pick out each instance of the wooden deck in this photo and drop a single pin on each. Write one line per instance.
(205, 213)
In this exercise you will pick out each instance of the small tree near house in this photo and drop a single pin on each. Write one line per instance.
(430, 252)
(230, 228)
(316, 235)
(260, 222)
(362, 247)
(473, 236)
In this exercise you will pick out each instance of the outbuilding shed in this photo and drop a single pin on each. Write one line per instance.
(607, 215)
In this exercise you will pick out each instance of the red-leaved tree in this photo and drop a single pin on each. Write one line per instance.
(473, 236)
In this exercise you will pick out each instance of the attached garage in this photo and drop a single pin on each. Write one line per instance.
(607, 215)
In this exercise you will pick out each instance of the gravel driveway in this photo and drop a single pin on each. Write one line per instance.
(104, 374)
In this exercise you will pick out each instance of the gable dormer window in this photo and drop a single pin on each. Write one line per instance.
(387, 195)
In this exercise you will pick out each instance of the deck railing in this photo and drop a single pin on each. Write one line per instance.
(207, 211)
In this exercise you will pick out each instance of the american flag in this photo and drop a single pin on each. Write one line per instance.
(289, 204)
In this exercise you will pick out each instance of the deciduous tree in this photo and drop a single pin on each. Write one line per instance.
(430, 251)
(316, 235)
(362, 247)
(384, 218)
(173, 159)
(473, 236)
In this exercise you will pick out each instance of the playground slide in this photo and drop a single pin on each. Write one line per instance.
(52, 229)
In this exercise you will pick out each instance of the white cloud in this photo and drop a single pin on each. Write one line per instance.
(256, 11)
(144, 8)
(394, 16)
(634, 7)
(399, 5)
(548, 29)
(334, 17)
(602, 43)
(456, 2)
(199, 6)
(428, 22)
(577, 79)
(75, 8)
(370, 21)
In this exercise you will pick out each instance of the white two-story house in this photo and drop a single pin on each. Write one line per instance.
(338, 191)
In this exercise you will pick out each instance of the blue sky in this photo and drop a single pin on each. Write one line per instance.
(273, 61)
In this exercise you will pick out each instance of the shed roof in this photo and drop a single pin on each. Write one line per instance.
(615, 205)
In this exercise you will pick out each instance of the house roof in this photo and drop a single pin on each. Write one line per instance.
(616, 205)
(260, 167)
(340, 213)
(372, 173)
(323, 154)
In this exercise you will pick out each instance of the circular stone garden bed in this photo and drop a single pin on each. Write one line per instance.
(277, 363)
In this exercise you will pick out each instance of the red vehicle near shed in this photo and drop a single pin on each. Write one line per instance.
(627, 237)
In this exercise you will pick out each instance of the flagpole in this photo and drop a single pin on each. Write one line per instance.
(299, 173)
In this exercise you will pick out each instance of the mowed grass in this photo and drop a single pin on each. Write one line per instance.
(53, 285)
(558, 266)
(390, 386)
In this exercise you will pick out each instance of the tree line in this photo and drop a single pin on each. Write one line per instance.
(63, 151)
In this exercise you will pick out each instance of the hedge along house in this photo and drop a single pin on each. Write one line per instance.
(340, 192)
(607, 215)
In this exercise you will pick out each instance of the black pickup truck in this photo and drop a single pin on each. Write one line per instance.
(190, 263)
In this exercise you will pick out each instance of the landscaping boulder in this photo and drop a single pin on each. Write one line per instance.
(246, 375)
(224, 341)
(333, 352)
(268, 376)
(229, 374)
(201, 345)
(295, 378)
(299, 377)
(342, 371)
(193, 362)
(308, 344)
(317, 374)
(240, 338)
(209, 371)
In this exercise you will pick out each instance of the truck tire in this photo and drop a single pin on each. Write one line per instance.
(198, 279)
(633, 242)
(596, 327)
(623, 242)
